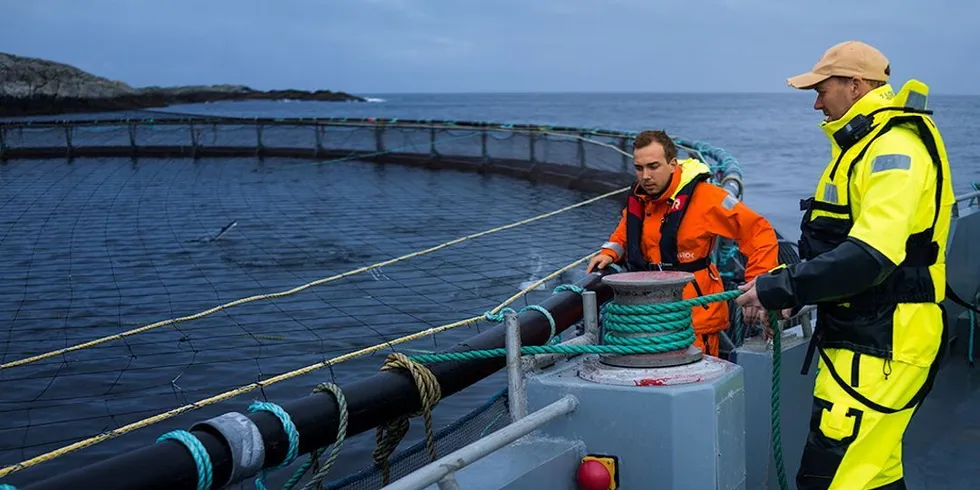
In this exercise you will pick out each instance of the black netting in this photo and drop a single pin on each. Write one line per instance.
(132, 232)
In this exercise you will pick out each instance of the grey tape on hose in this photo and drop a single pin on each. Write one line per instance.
(245, 441)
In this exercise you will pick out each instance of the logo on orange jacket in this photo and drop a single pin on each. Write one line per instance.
(678, 203)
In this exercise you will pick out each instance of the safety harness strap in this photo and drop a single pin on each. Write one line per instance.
(919, 396)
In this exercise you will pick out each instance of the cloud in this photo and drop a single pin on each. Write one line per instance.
(462, 45)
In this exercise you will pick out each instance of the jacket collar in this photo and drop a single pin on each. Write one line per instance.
(875, 99)
(686, 171)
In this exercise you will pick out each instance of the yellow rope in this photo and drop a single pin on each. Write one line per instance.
(388, 435)
(297, 289)
(105, 436)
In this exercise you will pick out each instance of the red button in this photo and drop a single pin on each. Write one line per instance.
(593, 475)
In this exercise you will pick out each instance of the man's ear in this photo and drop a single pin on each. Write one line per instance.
(858, 87)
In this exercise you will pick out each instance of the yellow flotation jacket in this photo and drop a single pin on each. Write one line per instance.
(874, 235)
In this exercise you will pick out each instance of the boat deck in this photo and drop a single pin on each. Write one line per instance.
(942, 444)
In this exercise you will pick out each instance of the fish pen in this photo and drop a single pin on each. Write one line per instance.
(161, 266)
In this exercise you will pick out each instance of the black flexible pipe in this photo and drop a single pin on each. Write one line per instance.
(370, 402)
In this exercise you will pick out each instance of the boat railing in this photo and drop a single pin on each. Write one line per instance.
(972, 199)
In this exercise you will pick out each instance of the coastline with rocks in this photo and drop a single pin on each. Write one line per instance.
(33, 87)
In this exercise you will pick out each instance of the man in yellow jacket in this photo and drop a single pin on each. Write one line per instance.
(874, 243)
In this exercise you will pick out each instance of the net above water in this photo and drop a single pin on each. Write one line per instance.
(97, 245)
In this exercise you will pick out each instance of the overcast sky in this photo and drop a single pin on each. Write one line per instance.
(385, 46)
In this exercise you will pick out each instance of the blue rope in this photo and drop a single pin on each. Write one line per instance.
(552, 338)
(547, 314)
(499, 316)
(291, 433)
(201, 457)
(4, 486)
(569, 287)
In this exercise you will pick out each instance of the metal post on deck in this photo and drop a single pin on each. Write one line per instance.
(515, 374)
(590, 315)
(581, 150)
(590, 335)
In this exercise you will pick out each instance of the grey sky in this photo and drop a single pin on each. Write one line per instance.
(383, 46)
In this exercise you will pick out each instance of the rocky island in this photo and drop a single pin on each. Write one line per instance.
(33, 86)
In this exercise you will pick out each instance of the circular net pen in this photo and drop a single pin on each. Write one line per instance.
(170, 264)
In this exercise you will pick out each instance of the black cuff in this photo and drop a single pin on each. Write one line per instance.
(848, 269)
(775, 290)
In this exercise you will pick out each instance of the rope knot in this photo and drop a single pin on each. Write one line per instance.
(391, 433)
(498, 316)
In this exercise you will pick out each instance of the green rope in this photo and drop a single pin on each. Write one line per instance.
(531, 350)
(774, 421)
(671, 322)
(313, 462)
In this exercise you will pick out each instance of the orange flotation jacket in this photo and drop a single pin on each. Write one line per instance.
(678, 229)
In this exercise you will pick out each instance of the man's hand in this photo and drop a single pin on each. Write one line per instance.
(598, 262)
(752, 309)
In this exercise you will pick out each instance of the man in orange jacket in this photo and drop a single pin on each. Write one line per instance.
(671, 220)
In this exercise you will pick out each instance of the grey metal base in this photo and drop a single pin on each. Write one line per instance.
(707, 369)
(684, 436)
(687, 356)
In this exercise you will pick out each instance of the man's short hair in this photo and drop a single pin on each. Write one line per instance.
(872, 83)
(648, 137)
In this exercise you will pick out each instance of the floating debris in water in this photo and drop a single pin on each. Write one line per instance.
(221, 233)
(224, 230)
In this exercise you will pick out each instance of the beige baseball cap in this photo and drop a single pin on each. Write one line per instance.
(847, 59)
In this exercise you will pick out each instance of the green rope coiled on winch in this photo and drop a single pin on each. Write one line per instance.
(670, 321)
